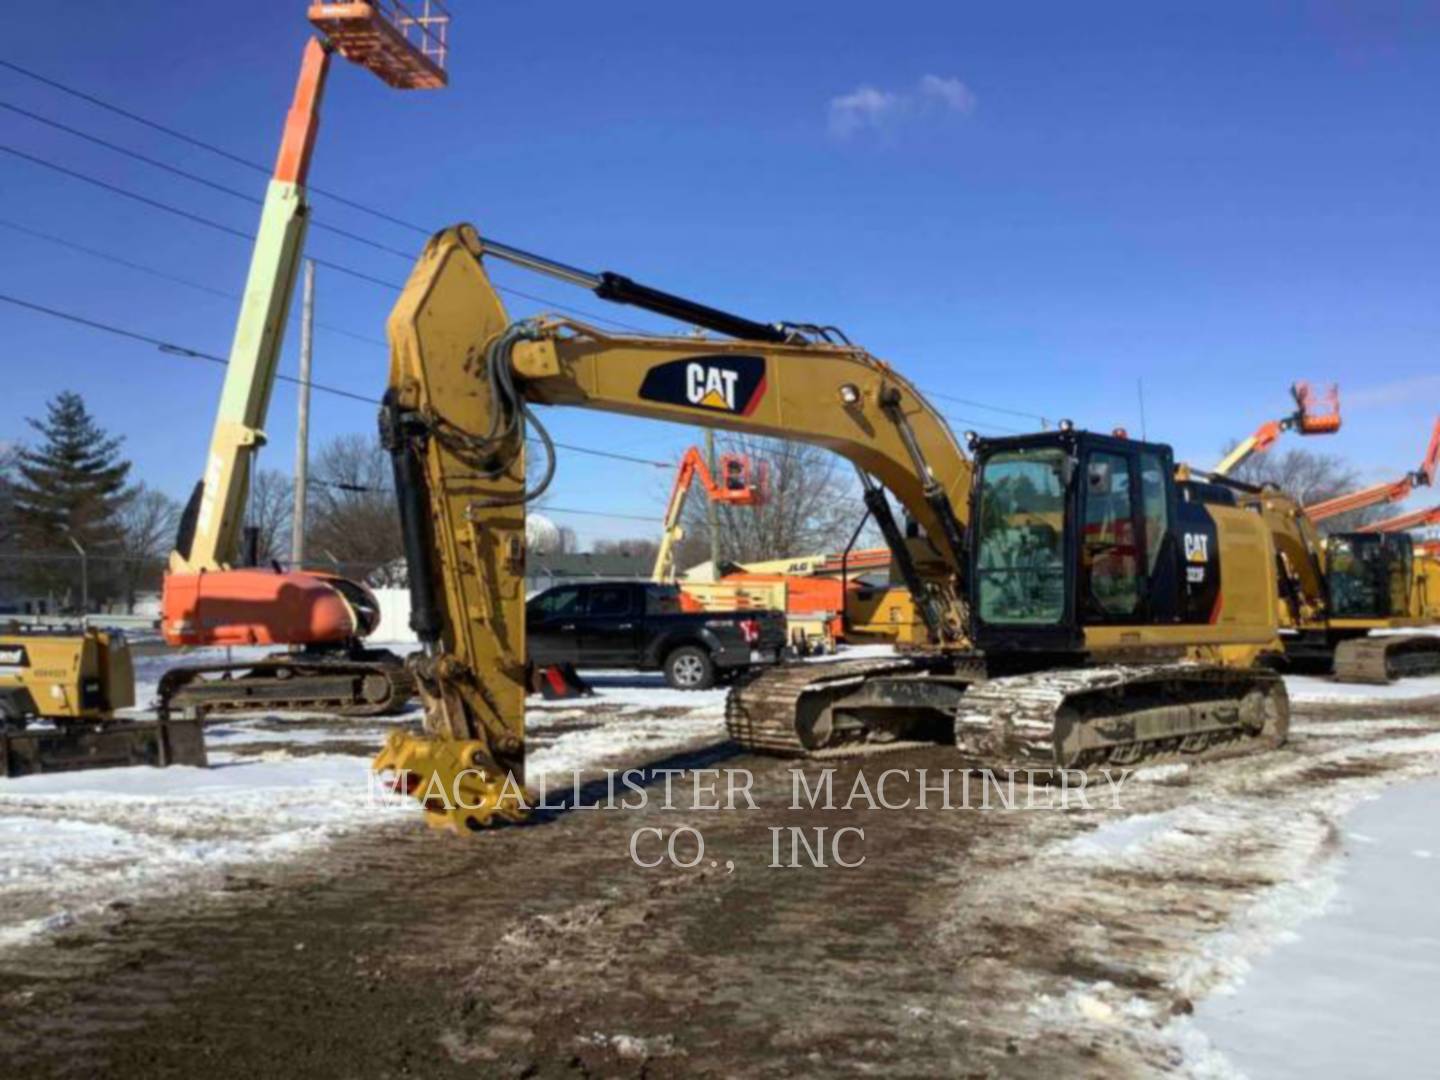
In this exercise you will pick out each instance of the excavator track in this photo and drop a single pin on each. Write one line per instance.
(373, 685)
(1088, 718)
(779, 711)
(1383, 659)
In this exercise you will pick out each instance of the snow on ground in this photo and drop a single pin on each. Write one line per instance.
(279, 785)
(1313, 688)
(1243, 852)
(76, 843)
(1352, 993)
(1176, 900)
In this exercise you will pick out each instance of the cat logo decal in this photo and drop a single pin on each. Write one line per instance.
(732, 384)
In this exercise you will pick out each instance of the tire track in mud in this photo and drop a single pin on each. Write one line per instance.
(985, 944)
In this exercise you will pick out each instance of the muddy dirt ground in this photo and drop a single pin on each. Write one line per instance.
(1007, 942)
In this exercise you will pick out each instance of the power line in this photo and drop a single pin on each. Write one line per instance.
(136, 117)
(202, 144)
(323, 226)
(380, 214)
(355, 237)
(988, 408)
(165, 275)
(596, 513)
(115, 189)
(174, 170)
(172, 349)
(985, 424)
(169, 347)
(241, 234)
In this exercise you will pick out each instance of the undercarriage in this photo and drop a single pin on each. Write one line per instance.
(1078, 718)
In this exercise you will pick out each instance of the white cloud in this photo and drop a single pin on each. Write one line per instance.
(870, 107)
(864, 107)
(1401, 391)
(952, 93)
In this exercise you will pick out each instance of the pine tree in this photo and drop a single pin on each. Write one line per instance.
(71, 486)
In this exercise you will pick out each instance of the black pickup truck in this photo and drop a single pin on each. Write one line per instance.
(629, 624)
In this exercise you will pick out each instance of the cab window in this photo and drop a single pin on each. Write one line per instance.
(556, 604)
(609, 600)
(662, 601)
(1155, 505)
(1020, 563)
(1109, 548)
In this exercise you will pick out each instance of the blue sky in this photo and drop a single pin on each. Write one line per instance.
(1032, 206)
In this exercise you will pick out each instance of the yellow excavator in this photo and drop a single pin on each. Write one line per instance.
(1336, 591)
(61, 689)
(1083, 608)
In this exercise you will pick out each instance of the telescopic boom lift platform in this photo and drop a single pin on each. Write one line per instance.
(741, 483)
(1304, 420)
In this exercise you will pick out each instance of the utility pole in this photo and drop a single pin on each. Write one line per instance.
(712, 513)
(302, 424)
(84, 571)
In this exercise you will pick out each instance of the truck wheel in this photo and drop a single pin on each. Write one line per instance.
(690, 668)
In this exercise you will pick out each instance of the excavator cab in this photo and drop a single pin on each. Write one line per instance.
(1074, 530)
(1369, 575)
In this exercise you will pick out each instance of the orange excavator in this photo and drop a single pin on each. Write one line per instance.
(208, 600)
(1388, 492)
(1305, 420)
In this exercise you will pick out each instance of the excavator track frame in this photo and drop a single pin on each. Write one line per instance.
(1381, 659)
(1121, 715)
(376, 684)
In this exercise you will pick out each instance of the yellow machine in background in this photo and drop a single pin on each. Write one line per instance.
(1335, 591)
(84, 675)
(60, 691)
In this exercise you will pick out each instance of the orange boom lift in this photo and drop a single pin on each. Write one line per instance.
(1304, 420)
(1388, 492)
(207, 599)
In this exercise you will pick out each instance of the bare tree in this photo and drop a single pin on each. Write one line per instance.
(813, 505)
(1309, 477)
(352, 518)
(638, 547)
(271, 506)
(148, 521)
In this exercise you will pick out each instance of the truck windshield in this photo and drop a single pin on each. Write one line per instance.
(1020, 565)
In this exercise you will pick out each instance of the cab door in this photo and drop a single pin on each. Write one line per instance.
(610, 626)
(552, 626)
(1112, 578)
